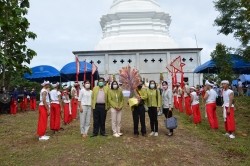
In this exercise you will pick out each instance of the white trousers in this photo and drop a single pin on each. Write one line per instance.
(116, 117)
(85, 119)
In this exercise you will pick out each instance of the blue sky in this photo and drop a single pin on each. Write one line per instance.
(63, 26)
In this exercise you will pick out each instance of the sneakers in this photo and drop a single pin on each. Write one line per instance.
(44, 138)
(116, 135)
(226, 134)
(152, 133)
(120, 134)
(156, 134)
(231, 136)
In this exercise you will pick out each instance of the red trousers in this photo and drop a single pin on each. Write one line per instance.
(211, 115)
(74, 105)
(24, 104)
(55, 116)
(196, 113)
(230, 121)
(42, 121)
(13, 107)
(67, 116)
(33, 104)
(180, 105)
(188, 105)
(175, 102)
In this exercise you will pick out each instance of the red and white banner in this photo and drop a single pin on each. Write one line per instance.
(77, 68)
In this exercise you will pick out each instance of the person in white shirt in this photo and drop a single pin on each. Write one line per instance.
(66, 105)
(167, 103)
(180, 97)
(240, 86)
(55, 108)
(195, 106)
(85, 99)
(210, 98)
(74, 100)
(228, 109)
(44, 112)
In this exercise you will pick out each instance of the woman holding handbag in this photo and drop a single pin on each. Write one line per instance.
(154, 104)
(167, 103)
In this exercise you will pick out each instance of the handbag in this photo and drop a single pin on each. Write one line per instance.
(171, 123)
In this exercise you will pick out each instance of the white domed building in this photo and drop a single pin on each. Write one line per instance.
(136, 32)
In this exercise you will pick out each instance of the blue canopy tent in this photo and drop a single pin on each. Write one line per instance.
(245, 78)
(43, 72)
(240, 66)
(69, 71)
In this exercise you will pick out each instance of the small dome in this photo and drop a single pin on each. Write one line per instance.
(134, 6)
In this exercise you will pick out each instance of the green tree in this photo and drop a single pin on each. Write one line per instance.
(222, 58)
(234, 19)
(14, 33)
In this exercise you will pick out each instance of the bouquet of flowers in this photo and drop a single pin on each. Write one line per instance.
(130, 78)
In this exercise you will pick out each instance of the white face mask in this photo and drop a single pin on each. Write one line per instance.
(152, 86)
(115, 86)
(87, 86)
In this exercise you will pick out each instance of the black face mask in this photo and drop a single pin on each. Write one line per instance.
(139, 87)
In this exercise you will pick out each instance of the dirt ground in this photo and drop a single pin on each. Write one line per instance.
(20, 146)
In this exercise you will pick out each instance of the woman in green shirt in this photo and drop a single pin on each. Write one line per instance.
(154, 103)
(116, 102)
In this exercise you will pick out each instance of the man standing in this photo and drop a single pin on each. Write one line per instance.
(74, 99)
(210, 98)
(55, 108)
(100, 107)
(228, 109)
(44, 112)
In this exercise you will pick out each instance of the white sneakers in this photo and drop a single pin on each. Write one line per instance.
(229, 135)
(120, 134)
(116, 135)
(44, 138)
(154, 134)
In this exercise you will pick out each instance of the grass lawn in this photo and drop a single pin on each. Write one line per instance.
(189, 145)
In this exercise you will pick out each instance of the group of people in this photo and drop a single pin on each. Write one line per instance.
(27, 100)
(210, 95)
(105, 97)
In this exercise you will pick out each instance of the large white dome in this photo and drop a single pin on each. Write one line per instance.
(135, 24)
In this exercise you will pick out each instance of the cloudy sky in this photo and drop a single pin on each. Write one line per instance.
(63, 26)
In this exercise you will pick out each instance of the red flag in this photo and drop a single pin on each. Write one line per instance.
(85, 70)
(77, 68)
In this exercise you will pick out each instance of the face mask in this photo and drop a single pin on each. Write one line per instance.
(152, 86)
(115, 86)
(164, 87)
(87, 86)
(101, 84)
